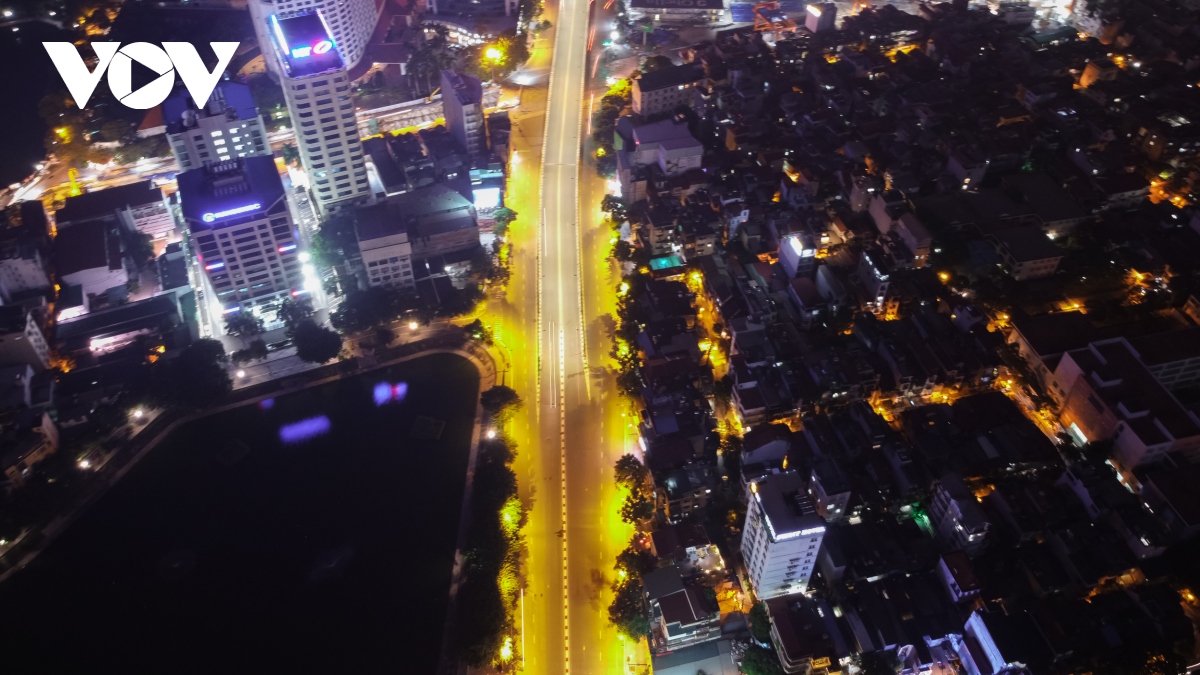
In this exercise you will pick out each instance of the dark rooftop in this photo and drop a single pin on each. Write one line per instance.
(212, 190)
(1052, 334)
(85, 247)
(104, 203)
(1174, 345)
(1027, 242)
(670, 77)
(227, 98)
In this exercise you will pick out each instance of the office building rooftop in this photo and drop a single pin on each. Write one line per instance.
(305, 45)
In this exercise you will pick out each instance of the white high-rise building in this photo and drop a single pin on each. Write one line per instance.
(242, 233)
(317, 89)
(228, 127)
(351, 23)
(782, 535)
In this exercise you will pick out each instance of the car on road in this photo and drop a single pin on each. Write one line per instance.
(277, 346)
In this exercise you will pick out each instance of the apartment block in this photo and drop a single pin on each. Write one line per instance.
(227, 127)
(782, 535)
(242, 232)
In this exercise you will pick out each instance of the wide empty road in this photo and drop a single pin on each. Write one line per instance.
(574, 531)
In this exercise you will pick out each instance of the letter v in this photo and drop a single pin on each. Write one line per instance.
(196, 78)
(74, 71)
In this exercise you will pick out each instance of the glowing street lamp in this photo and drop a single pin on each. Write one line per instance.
(241, 373)
(137, 414)
(491, 433)
(413, 325)
(494, 56)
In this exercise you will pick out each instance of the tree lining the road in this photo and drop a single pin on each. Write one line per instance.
(315, 344)
(604, 125)
(485, 630)
(627, 612)
(244, 324)
(255, 351)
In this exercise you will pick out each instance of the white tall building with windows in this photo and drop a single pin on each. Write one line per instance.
(243, 237)
(317, 89)
(228, 127)
(351, 23)
(782, 535)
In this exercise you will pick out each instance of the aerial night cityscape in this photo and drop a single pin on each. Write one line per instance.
(600, 337)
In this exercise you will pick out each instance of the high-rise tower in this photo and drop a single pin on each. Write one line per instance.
(317, 90)
(351, 23)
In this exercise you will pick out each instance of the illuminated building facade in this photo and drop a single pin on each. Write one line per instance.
(228, 127)
(242, 233)
(462, 103)
(821, 17)
(351, 23)
(317, 89)
(782, 536)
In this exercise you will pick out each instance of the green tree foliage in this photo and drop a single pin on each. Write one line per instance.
(500, 401)
(482, 619)
(760, 623)
(636, 560)
(140, 247)
(243, 324)
(255, 351)
(636, 508)
(459, 301)
(504, 217)
(606, 166)
(627, 611)
(361, 310)
(293, 312)
(760, 661)
(290, 153)
(476, 330)
(315, 344)
(612, 205)
(108, 417)
(336, 239)
(426, 63)
(655, 62)
(630, 472)
(194, 379)
(66, 131)
(384, 335)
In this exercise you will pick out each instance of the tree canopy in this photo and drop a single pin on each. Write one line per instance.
(760, 623)
(630, 472)
(500, 401)
(504, 217)
(627, 611)
(293, 312)
(315, 344)
(244, 324)
(636, 508)
(760, 661)
(195, 379)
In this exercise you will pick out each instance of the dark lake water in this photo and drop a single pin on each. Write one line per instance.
(328, 555)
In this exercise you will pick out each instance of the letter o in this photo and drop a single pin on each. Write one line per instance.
(120, 75)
